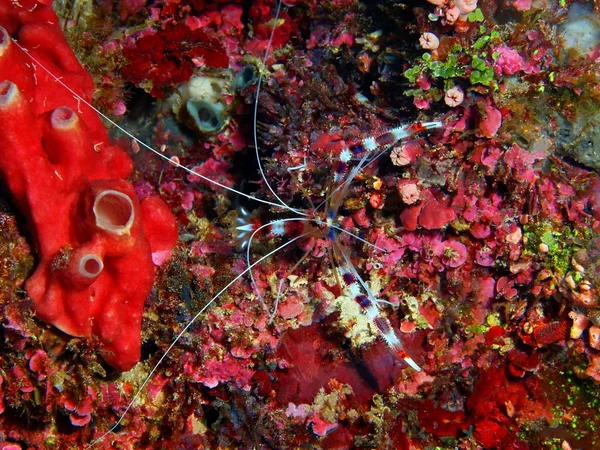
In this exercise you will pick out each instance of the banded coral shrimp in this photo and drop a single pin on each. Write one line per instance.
(322, 218)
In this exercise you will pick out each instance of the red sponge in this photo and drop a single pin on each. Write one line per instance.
(95, 242)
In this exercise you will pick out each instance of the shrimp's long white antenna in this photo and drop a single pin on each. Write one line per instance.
(142, 143)
(279, 289)
(357, 237)
(255, 121)
(248, 245)
(183, 331)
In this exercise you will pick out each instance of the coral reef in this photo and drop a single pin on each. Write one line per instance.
(480, 240)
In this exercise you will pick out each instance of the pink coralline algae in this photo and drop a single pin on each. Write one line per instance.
(508, 61)
(520, 162)
(10, 446)
(430, 213)
(80, 411)
(491, 120)
(455, 253)
(522, 5)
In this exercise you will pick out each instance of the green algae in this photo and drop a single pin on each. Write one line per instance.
(562, 244)
(576, 403)
(467, 63)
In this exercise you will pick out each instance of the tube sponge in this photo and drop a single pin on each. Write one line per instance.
(95, 253)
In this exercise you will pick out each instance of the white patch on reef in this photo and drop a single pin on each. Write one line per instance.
(581, 31)
(357, 326)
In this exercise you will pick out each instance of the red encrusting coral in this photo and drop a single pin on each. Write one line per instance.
(94, 239)
(312, 360)
(168, 56)
(498, 403)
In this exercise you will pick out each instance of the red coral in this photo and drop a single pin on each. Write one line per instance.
(95, 268)
(339, 439)
(495, 336)
(521, 362)
(313, 363)
(497, 402)
(441, 422)
(168, 57)
(435, 214)
(261, 13)
(551, 332)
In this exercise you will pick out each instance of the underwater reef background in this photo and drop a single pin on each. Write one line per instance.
(490, 226)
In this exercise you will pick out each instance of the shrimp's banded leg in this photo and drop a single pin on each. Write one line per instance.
(371, 148)
(356, 288)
